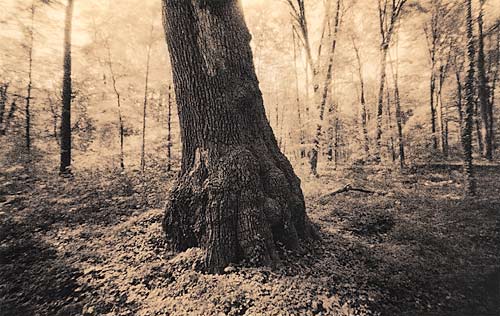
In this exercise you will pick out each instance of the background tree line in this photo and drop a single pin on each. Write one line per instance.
(418, 87)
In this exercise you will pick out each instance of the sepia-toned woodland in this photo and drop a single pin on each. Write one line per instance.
(249, 157)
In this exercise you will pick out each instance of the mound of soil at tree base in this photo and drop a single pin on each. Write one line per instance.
(126, 271)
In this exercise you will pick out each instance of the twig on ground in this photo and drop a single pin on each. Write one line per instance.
(347, 188)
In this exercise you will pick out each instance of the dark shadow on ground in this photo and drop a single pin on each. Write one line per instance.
(414, 254)
(33, 278)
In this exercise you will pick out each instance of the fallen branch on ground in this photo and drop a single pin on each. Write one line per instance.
(348, 188)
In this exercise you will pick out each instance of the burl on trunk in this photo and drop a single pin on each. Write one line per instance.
(237, 194)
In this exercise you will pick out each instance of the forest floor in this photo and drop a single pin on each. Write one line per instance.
(93, 245)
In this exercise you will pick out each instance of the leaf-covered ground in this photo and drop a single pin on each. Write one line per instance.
(93, 245)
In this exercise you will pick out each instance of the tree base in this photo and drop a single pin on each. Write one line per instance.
(237, 203)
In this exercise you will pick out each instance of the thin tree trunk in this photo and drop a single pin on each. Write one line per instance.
(362, 102)
(65, 162)
(397, 100)
(308, 96)
(237, 195)
(479, 130)
(169, 130)
(433, 110)
(30, 81)
(446, 130)
(390, 126)
(443, 115)
(331, 131)
(3, 101)
(313, 160)
(469, 109)
(432, 38)
(399, 122)
(459, 98)
(380, 103)
(118, 103)
(336, 143)
(145, 104)
(483, 89)
(297, 98)
(496, 65)
(387, 22)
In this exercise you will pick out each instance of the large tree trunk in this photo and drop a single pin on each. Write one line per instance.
(237, 194)
(65, 162)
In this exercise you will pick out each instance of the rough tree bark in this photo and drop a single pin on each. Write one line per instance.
(469, 107)
(65, 163)
(237, 194)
